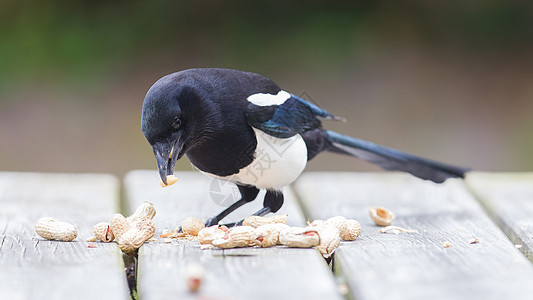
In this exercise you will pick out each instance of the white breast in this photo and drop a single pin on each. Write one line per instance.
(277, 162)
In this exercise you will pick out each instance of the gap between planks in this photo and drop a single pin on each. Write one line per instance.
(32, 267)
(508, 200)
(417, 266)
(258, 273)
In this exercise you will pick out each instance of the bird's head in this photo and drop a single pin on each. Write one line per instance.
(164, 123)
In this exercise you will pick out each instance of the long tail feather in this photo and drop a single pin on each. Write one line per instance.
(392, 159)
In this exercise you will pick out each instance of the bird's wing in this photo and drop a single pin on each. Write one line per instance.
(317, 111)
(295, 115)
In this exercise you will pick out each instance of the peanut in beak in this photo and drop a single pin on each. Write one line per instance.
(171, 179)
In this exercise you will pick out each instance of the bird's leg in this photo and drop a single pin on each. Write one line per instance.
(248, 193)
(273, 200)
(214, 220)
(272, 203)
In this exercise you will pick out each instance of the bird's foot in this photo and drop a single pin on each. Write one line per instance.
(211, 221)
(229, 225)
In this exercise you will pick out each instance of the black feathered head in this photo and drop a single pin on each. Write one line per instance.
(163, 123)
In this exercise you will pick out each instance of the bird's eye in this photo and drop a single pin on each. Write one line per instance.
(177, 123)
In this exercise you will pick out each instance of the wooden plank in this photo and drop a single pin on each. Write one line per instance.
(246, 273)
(416, 265)
(34, 268)
(508, 199)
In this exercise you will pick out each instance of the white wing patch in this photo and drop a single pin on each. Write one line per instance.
(269, 99)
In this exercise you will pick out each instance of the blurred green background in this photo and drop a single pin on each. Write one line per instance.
(448, 80)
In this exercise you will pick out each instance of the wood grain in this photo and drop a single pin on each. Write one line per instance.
(416, 265)
(508, 199)
(34, 268)
(246, 273)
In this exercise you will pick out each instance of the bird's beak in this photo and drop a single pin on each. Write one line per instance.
(166, 155)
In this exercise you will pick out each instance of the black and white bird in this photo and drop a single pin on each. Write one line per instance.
(243, 128)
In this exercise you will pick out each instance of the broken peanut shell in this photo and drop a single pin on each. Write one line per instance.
(236, 237)
(268, 235)
(208, 234)
(299, 237)
(381, 216)
(102, 231)
(329, 239)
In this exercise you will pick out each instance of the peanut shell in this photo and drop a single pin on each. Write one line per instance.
(381, 215)
(144, 211)
(53, 229)
(119, 225)
(192, 226)
(194, 274)
(352, 230)
(329, 239)
(208, 234)
(299, 237)
(135, 237)
(268, 235)
(102, 231)
(256, 221)
(236, 237)
(316, 223)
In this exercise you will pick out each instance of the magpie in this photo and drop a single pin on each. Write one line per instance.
(243, 128)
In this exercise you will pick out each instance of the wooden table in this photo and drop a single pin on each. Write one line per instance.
(34, 268)
(496, 209)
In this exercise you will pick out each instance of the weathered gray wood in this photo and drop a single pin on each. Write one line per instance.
(246, 273)
(508, 198)
(34, 268)
(416, 265)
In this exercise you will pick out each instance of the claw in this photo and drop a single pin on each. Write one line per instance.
(211, 221)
